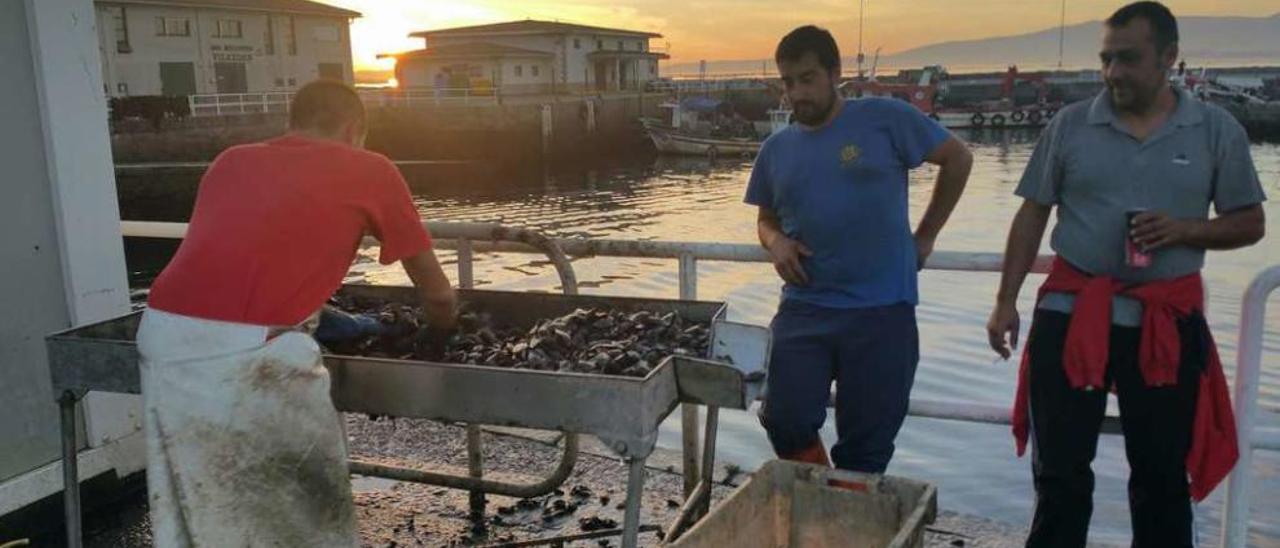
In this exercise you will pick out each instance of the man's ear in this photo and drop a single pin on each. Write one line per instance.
(1169, 58)
(354, 132)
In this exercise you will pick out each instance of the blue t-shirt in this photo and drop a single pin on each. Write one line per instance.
(842, 191)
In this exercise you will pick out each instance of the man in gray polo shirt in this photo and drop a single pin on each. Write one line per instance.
(1132, 173)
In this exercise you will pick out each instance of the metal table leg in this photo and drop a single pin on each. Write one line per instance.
(70, 469)
(709, 458)
(475, 468)
(698, 504)
(635, 488)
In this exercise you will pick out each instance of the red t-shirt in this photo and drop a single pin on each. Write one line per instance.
(276, 227)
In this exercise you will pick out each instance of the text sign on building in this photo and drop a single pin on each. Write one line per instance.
(232, 53)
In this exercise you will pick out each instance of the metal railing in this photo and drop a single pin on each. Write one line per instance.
(223, 104)
(412, 97)
(1253, 309)
(692, 85)
(687, 254)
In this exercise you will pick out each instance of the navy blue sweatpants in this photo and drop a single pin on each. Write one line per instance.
(870, 353)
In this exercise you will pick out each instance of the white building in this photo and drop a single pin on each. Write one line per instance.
(186, 47)
(531, 57)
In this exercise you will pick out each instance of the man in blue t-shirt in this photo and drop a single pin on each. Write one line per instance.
(832, 193)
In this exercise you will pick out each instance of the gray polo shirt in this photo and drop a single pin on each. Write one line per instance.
(1089, 165)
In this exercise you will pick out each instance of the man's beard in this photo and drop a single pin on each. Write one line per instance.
(811, 113)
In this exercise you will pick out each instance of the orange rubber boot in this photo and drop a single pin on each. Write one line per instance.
(814, 454)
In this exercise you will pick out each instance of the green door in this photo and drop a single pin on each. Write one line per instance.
(231, 77)
(177, 79)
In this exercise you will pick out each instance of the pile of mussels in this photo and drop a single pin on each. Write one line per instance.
(588, 340)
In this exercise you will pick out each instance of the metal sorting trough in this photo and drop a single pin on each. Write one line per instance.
(787, 504)
(624, 412)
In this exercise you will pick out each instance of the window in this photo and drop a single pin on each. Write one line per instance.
(534, 70)
(229, 28)
(291, 38)
(619, 45)
(327, 33)
(279, 82)
(577, 44)
(269, 46)
(293, 82)
(121, 30)
(173, 26)
(653, 69)
(333, 71)
(599, 44)
(519, 70)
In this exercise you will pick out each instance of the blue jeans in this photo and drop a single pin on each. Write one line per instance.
(870, 353)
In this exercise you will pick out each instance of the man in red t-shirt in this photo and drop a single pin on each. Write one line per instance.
(244, 446)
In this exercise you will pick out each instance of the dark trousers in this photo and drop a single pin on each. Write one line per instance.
(1157, 423)
(870, 353)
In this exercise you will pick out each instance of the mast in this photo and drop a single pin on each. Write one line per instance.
(862, 6)
(1062, 32)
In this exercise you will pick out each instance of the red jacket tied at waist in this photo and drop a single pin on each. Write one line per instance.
(1214, 447)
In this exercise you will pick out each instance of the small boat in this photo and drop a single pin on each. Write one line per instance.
(1224, 94)
(702, 126)
(675, 142)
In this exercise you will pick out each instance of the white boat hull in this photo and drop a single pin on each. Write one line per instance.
(674, 142)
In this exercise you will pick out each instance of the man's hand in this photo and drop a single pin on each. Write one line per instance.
(438, 299)
(924, 248)
(1002, 325)
(786, 254)
(783, 251)
(1019, 256)
(432, 342)
(1153, 230)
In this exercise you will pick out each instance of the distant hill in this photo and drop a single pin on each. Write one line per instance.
(1206, 41)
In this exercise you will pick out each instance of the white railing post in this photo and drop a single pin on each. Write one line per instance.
(688, 275)
(1235, 517)
(466, 273)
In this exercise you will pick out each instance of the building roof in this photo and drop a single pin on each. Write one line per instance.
(472, 50)
(275, 6)
(529, 26)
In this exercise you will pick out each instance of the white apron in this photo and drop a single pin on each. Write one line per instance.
(244, 447)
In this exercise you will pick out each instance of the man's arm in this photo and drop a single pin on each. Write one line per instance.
(1234, 229)
(439, 301)
(784, 251)
(1019, 255)
(955, 162)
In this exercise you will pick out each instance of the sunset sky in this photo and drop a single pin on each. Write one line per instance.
(748, 29)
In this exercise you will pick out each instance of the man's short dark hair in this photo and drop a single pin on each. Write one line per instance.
(1164, 27)
(325, 105)
(809, 39)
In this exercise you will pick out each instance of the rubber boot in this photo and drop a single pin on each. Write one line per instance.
(814, 454)
(817, 454)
